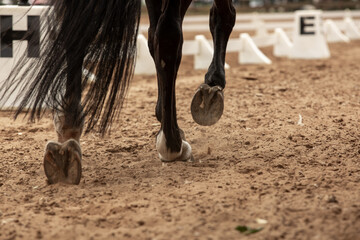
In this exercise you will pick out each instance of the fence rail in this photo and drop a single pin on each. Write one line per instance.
(283, 5)
(249, 21)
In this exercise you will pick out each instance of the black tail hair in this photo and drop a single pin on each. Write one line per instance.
(106, 31)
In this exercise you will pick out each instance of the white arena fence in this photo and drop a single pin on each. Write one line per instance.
(339, 26)
(331, 24)
(248, 22)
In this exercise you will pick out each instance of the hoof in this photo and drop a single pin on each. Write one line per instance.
(166, 155)
(184, 156)
(207, 105)
(62, 162)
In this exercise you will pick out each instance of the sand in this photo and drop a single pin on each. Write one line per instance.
(259, 166)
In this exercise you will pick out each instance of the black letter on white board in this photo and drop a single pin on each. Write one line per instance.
(303, 25)
(8, 35)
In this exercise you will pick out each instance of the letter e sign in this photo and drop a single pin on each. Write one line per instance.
(306, 22)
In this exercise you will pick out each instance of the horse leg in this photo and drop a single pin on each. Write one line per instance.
(62, 161)
(154, 12)
(208, 102)
(165, 44)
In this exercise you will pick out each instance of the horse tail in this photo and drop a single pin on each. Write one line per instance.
(104, 33)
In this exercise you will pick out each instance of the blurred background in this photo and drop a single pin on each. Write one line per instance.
(199, 6)
(283, 5)
(23, 2)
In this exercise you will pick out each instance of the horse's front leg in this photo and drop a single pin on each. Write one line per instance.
(208, 103)
(167, 46)
(62, 160)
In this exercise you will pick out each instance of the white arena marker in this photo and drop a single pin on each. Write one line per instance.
(347, 13)
(250, 53)
(351, 30)
(264, 41)
(333, 33)
(282, 45)
(18, 19)
(309, 42)
(144, 62)
(260, 29)
(262, 37)
(205, 53)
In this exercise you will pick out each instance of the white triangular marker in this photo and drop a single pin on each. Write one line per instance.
(204, 57)
(351, 30)
(250, 53)
(282, 45)
(144, 62)
(333, 33)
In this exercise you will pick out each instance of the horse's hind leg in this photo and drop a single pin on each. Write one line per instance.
(62, 161)
(208, 103)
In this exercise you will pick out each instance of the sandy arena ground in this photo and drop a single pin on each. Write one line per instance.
(257, 162)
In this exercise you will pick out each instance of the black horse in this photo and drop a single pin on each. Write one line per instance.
(101, 37)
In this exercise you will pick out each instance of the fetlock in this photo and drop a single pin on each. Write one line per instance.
(66, 131)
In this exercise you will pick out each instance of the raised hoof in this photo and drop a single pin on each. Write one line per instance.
(207, 105)
(62, 162)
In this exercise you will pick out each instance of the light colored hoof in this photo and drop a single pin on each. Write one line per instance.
(166, 155)
(62, 162)
(185, 154)
(207, 105)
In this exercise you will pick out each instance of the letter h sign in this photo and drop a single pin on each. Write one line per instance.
(8, 35)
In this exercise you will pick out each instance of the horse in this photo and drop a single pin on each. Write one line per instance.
(101, 37)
